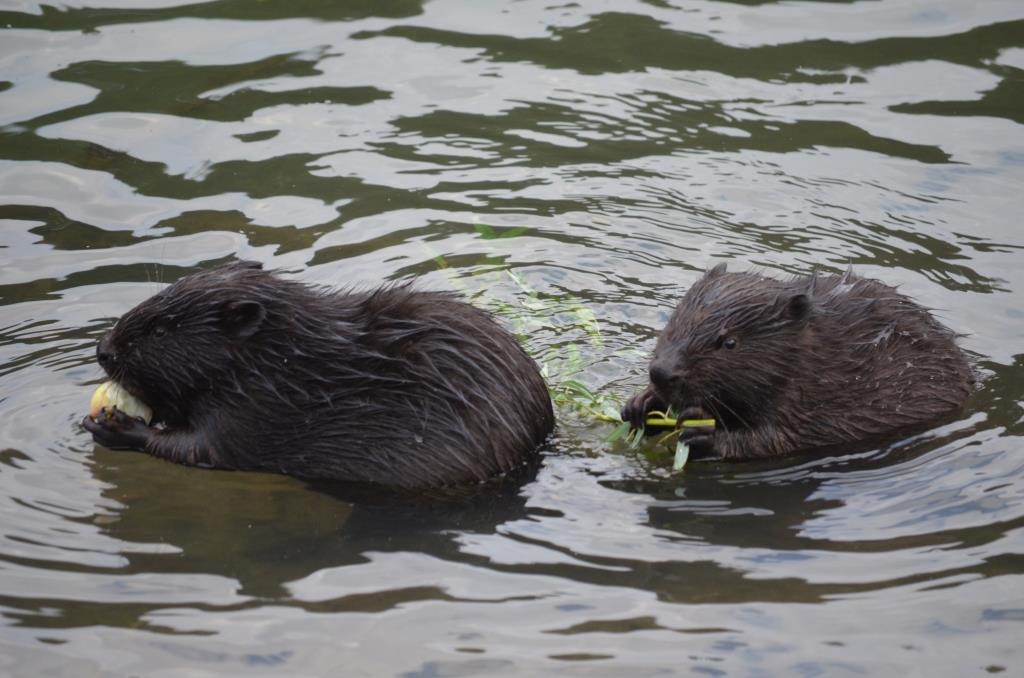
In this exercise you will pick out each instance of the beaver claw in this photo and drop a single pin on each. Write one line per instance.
(117, 431)
(636, 409)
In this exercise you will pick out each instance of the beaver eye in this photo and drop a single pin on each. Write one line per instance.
(159, 331)
(728, 343)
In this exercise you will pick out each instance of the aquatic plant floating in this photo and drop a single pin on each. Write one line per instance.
(659, 419)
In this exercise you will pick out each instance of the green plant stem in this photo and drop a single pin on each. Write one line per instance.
(661, 420)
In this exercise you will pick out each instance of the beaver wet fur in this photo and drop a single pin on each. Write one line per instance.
(802, 364)
(396, 387)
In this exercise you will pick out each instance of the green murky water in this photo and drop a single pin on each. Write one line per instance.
(561, 164)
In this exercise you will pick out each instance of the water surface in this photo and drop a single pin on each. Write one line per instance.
(572, 167)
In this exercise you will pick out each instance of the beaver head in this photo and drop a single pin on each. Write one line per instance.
(732, 345)
(188, 338)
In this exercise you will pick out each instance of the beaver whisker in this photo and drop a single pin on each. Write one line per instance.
(743, 422)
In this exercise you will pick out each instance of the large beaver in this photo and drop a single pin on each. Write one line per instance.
(396, 387)
(803, 364)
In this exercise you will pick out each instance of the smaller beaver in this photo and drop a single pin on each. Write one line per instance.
(793, 366)
(390, 387)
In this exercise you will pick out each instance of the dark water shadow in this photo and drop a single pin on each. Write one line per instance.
(90, 18)
(124, 86)
(261, 531)
(633, 42)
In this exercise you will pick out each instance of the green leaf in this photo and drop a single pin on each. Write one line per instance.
(588, 320)
(521, 283)
(485, 231)
(617, 433)
(682, 454)
(579, 388)
(490, 233)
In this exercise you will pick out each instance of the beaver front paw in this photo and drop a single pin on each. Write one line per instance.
(116, 430)
(636, 409)
(700, 439)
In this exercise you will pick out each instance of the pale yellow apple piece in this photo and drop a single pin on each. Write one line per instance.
(111, 394)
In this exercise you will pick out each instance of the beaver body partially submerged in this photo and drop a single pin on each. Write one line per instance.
(809, 363)
(247, 370)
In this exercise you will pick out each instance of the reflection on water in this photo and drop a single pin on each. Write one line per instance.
(562, 164)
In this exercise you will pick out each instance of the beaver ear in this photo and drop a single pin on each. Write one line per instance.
(798, 306)
(242, 319)
(717, 270)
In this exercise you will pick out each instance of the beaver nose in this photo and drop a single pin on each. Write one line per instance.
(661, 375)
(106, 359)
(105, 354)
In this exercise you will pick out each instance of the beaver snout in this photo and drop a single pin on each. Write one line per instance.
(663, 376)
(105, 354)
